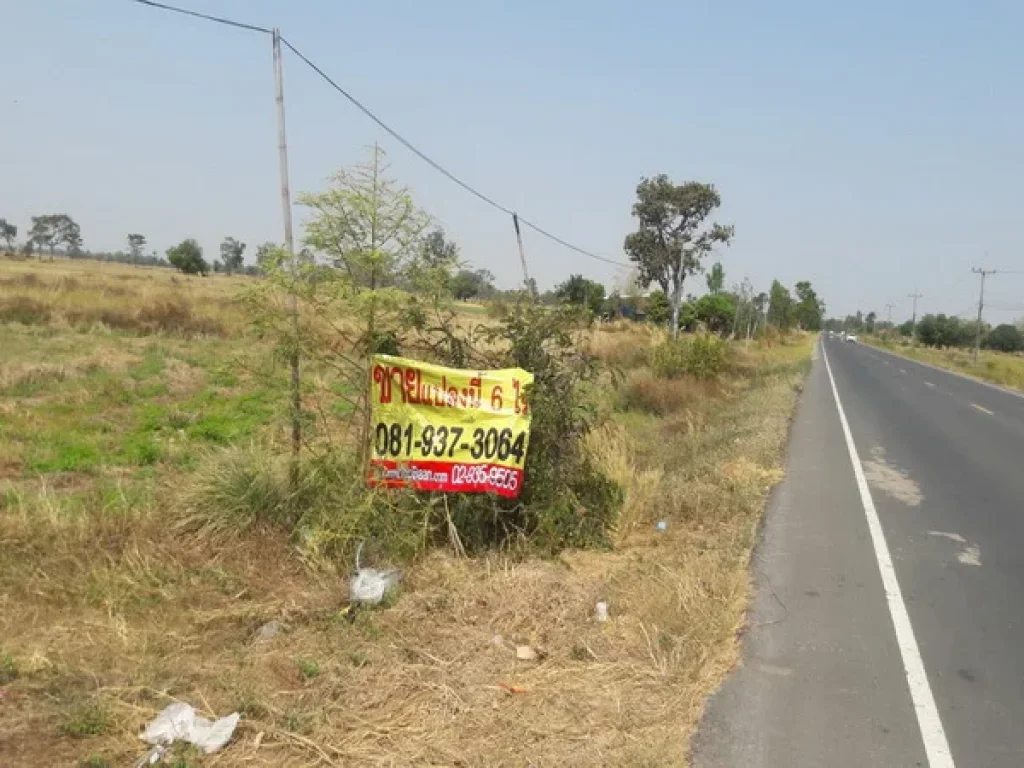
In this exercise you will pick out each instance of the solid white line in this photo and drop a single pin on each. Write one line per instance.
(935, 745)
(983, 410)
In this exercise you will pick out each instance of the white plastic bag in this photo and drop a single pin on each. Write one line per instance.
(179, 722)
(369, 585)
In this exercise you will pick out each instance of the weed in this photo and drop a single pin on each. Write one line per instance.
(95, 761)
(8, 668)
(358, 659)
(24, 310)
(86, 720)
(308, 668)
(703, 357)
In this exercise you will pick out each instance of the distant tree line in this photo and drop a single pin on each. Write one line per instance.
(935, 330)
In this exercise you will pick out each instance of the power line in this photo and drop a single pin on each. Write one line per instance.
(390, 131)
(207, 17)
(438, 167)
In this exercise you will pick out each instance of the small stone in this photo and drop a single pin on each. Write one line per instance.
(525, 653)
(268, 632)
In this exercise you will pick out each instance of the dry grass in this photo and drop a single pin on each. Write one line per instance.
(134, 299)
(108, 613)
(1002, 368)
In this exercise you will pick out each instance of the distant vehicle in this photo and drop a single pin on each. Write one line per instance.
(851, 338)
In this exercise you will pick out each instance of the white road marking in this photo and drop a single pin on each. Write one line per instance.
(936, 746)
(953, 536)
(983, 410)
(970, 556)
(929, 384)
(903, 371)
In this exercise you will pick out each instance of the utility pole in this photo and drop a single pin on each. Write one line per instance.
(522, 257)
(913, 318)
(286, 211)
(889, 307)
(981, 304)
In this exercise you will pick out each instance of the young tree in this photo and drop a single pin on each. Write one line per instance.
(366, 224)
(717, 311)
(582, 292)
(231, 254)
(780, 306)
(187, 257)
(269, 256)
(716, 278)
(136, 243)
(672, 238)
(8, 232)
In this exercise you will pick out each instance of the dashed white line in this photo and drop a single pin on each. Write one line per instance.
(936, 746)
(983, 410)
(903, 371)
(929, 384)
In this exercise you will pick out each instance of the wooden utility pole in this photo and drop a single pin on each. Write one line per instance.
(289, 244)
(981, 304)
(522, 257)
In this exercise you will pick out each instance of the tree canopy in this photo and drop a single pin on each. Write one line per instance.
(673, 236)
(187, 257)
(809, 310)
(780, 306)
(8, 232)
(583, 292)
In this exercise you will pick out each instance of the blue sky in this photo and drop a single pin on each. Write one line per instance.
(869, 147)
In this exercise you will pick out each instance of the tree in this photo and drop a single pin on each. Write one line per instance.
(8, 232)
(187, 257)
(136, 243)
(672, 239)
(69, 233)
(472, 284)
(231, 252)
(906, 329)
(1005, 338)
(658, 310)
(580, 291)
(809, 310)
(366, 224)
(717, 311)
(43, 233)
(869, 322)
(780, 306)
(434, 270)
(716, 278)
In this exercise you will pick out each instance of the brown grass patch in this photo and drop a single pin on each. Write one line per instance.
(662, 397)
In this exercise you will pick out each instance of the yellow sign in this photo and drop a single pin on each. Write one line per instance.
(446, 429)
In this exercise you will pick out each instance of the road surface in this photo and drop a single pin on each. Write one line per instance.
(888, 623)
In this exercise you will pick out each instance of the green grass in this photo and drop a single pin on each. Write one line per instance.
(86, 720)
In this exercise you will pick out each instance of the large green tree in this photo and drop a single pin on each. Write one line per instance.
(780, 306)
(1005, 338)
(673, 236)
(809, 310)
(187, 257)
(472, 284)
(582, 292)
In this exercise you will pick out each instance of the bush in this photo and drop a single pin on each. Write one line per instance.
(1005, 338)
(703, 357)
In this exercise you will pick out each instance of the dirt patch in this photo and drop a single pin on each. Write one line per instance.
(891, 480)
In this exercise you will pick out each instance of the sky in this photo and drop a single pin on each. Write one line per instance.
(873, 148)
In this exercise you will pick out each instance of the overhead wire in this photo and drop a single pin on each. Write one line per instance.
(388, 129)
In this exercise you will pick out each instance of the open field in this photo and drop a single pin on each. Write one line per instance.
(1001, 368)
(110, 609)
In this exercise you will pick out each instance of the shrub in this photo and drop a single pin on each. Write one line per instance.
(703, 357)
(86, 720)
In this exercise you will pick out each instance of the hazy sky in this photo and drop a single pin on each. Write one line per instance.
(869, 147)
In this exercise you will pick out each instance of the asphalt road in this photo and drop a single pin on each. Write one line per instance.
(888, 622)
